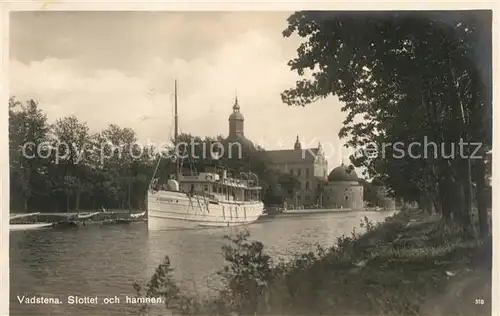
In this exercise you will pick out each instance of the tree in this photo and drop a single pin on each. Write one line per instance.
(369, 193)
(123, 159)
(63, 166)
(403, 77)
(28, 131)
(71, 139)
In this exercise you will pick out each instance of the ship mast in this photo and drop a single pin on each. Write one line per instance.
(176, 133)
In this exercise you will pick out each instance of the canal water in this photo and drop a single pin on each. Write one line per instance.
(105, 261)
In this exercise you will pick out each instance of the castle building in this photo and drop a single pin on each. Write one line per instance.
(308, 166)
(343, 189)
(340, 188)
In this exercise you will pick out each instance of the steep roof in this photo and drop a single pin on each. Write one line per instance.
(290, 156)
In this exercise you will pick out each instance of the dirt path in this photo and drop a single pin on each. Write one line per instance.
(468, 293)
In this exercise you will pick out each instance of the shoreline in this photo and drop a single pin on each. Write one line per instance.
(397, 267)
(38, 221)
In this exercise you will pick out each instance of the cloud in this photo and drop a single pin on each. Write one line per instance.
(250, 62)
(105, 97)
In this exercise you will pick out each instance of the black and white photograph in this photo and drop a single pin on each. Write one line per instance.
(239, 162)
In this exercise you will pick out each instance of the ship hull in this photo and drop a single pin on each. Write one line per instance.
(175, 210)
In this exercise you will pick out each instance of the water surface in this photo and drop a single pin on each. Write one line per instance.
(104, 261)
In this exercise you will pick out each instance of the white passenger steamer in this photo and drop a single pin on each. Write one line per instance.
(203, 199)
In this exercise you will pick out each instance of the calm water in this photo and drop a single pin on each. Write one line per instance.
(105, 261)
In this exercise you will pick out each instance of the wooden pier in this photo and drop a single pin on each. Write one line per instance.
(75, 219)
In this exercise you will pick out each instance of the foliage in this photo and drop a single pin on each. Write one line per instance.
(369, 193)
(248, 274)
(162, 285)
(76, 169)
(404, 77)
(27, 125)
(394, 268)
(66, 167)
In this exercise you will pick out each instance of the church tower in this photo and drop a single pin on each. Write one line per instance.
(236, 120)
(297, 145)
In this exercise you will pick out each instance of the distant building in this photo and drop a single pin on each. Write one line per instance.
(343, 189)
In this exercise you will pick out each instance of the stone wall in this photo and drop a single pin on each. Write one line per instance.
(345, 194)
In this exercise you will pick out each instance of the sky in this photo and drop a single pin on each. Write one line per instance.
(119, 68)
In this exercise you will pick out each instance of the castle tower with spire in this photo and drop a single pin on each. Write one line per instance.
(297, 145)
(236, 146)
(236, 121)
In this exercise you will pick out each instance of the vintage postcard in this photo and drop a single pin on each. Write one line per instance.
(245, 159)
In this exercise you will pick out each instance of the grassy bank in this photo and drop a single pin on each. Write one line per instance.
(404, 266)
